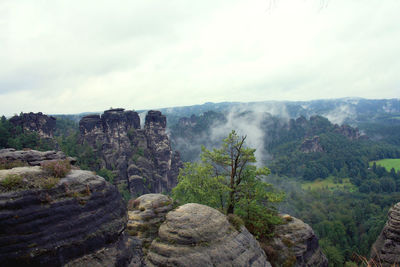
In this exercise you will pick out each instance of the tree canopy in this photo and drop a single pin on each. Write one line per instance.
(227, 179)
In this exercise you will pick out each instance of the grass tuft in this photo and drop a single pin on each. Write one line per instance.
(12, 182)
(235, 221)
(6, 165)
(57, 168)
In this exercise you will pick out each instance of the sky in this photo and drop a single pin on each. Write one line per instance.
(70, 56)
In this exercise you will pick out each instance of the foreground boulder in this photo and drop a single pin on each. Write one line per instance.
(197, 235)
(145, 215)
(78, 220)
(295, 244)
(386, 249)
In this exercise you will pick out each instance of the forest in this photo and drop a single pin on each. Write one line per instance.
(347, 220)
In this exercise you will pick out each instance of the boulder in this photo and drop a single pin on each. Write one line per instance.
(31, 157)
(145, 215)
(295, 244)
(78, 220)
(197, 235)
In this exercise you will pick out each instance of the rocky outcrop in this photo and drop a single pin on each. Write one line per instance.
(386, 249)
(197, 235)
(295, 244)
(349, 132)
(36, 122)
(31, 157)
(311, 145)
(140, 158)
(78, 220)
(145, 215)
(188, 122)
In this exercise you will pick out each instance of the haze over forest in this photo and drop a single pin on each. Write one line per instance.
(252, 108)
(73, 56)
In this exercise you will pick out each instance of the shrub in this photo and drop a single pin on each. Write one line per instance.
(106, 174)
(12, 182)
(57, 168)
(47, 182)
(235, 221)
(5, 164)
(124, 191)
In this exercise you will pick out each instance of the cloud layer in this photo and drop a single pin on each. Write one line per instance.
(70, 56)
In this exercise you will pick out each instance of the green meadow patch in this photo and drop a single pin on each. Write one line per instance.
(331, 183)
(388, 164)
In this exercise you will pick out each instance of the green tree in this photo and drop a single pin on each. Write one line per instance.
(254, 197)
(230, 161)
(106, 174)
(196, 183)
(227, 179)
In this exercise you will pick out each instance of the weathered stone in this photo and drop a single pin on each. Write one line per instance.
(295, 244)
(81, 214)
(131, 152)
(386, 249)
(145, 215)
(311, 145)
(349, 132)
(127, 251)
(197, 235)
(36, 122)
(32, 157)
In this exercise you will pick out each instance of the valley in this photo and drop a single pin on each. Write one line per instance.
(326, 170)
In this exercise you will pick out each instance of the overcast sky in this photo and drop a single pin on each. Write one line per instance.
(73, 56)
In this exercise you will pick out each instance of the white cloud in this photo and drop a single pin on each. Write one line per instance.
(74, 56)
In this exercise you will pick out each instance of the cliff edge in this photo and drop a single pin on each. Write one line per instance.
(74, 220)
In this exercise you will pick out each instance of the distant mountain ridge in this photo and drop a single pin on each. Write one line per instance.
(348, 110)
(342, 110)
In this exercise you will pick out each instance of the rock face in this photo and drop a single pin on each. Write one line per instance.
(349, 132)
(31, 157)
(386, 249)
(145, 215)
(141, 158)
(197, 235)
(311, 145)
(37, 122)
(80, 216)
(295, 244)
